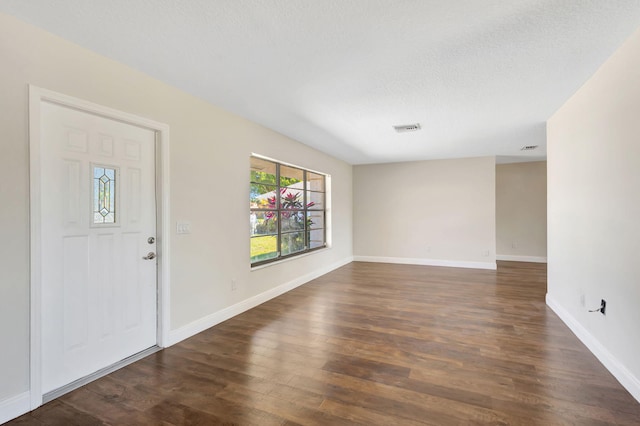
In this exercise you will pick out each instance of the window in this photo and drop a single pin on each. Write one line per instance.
(287, 210)
(104, 195)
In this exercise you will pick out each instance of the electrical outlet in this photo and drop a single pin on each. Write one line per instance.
(234, 285)
(514, 244)
(583, 302)
(485, 253)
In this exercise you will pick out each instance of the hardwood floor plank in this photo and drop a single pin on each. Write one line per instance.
(383, 399)
(370, 344)
(365, 416)
(58, 413)
(287, 409)
(178, 414)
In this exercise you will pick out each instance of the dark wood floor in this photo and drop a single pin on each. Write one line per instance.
(372, 344)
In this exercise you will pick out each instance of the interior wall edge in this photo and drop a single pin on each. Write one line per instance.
(427, 262)
(606, 358)
(215, 318)
(512, 258)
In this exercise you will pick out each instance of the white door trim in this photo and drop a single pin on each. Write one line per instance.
(36, 96)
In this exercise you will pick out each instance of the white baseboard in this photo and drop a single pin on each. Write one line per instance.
(426, 262)
(511, 258)
(15, 406)
(202, 324)
(611, 363)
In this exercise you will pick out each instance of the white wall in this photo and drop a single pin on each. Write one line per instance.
(594, 212)
(438, 212)
(210, 151)
(521, 211)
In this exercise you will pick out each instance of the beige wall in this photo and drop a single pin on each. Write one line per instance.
(210, 151)
(594, 212)
(441, 210)
(521, 210)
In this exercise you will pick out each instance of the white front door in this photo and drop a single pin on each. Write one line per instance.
(99, 296)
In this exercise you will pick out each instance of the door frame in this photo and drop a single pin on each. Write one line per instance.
(38, 95)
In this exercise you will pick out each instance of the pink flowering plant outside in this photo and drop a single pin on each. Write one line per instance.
(292, 210)
(290, 200)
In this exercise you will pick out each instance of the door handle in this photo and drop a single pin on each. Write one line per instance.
(149, 256)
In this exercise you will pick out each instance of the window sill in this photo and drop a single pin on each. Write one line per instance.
(288, 259)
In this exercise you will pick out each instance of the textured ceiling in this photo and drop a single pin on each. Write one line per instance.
(480, 76)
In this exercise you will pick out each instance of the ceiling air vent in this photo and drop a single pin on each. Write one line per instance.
(407, 128)
(528, 148)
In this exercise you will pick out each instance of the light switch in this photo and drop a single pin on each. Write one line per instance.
(183, 227)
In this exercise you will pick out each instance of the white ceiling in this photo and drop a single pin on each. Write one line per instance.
(480, 76)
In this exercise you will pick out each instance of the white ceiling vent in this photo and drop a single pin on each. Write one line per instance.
(407, 128)
(528, 148)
